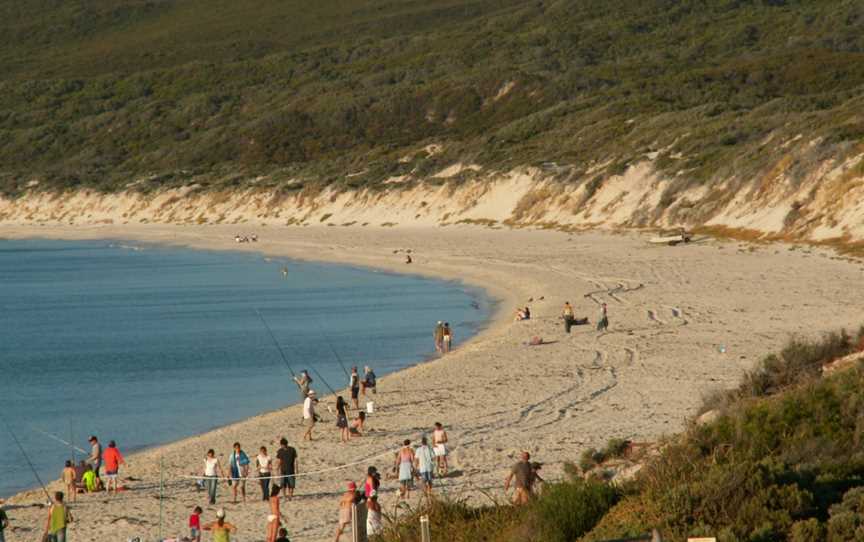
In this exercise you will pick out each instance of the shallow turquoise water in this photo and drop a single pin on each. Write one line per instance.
(144, 344)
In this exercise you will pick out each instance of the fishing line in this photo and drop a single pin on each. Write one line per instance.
(26, 458)
(278, 346)
(60, 440)
(332, 349)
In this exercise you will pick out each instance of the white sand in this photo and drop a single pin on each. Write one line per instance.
(496, 396)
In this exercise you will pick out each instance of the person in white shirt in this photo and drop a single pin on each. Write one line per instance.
(425, 462)
(264, 470)
(212, 472)
(309, 414)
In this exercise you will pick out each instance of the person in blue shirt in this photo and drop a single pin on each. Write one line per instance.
(238, 465)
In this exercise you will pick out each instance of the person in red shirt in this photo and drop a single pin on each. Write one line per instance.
(112, 459)
(195, 525)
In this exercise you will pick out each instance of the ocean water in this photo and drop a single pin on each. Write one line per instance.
(145, 344)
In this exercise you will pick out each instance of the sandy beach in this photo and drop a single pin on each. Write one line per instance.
(683, 320)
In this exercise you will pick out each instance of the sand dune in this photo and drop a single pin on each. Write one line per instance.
(684, 320)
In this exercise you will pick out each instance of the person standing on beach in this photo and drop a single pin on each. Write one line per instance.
(405, 467)
(568, 316)
(274, 519)
(438, 335)
(195, 524)
(303, 382)
(309, 414)
(58, 518)
(95, 454)
(603, 322)
(212, 472)
(425, 462)
(264, 464)
(355, 387)
(439, 447)
(288, 467)
(238, 466)
(113, 459)
(342, 419)
(374, 517)
(346, 502)
(523, 473)
(446, 337)
(221, 529)
(68, 481)
(369, 380)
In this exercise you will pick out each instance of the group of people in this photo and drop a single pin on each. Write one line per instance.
(358, 387)
(570, 320)
(443, 336)
(245, 239)
(86, 476)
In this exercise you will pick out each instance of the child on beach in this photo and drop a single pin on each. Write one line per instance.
(195, 525)
(69, 480)
(283, 535)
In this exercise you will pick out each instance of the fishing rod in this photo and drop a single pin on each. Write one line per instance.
(285, 358)
(27, 458)
(60, 440)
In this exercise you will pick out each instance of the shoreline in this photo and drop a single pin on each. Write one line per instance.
(495, 395)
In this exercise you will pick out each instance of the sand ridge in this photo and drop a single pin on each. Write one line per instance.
(683, 319)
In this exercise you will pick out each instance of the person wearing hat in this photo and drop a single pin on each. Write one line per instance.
(374, 518)
(346, 502)
(221, 529)
(309, 414)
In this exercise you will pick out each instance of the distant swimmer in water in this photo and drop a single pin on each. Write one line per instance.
(285, 271)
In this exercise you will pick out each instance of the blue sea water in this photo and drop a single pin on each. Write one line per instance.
(145, 344)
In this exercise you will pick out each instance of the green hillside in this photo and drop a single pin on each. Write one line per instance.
(104, 92)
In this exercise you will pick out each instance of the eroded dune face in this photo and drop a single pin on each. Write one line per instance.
(828, 203)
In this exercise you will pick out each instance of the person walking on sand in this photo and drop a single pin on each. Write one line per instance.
(303, 382)
(438, 335)
(603, 321)
(425, 461)
(212, 472)
(342, 419)
(59, 518)
(95, 457)
(446, 337)
(568, 316)
(405, 467)
(113, 459)
(220, 528)
(68, 476)
(346, 502)
(523, 473)
(354, 384)
(264, 464)
(274, 519)
(309, 414)
(288, 467)
(439, 447)
(238, 466)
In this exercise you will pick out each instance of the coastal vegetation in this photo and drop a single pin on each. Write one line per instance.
(287, 94)
(780, 460)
